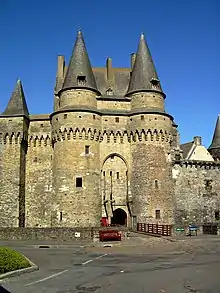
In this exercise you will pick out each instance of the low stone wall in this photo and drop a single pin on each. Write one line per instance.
(62, 234)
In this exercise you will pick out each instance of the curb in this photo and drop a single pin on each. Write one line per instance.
(20, 272)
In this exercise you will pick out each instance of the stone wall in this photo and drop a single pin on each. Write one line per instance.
(39, 175)
(13, 134)
(197, 192)
(76, 169)
(62, 234)
(56, 233)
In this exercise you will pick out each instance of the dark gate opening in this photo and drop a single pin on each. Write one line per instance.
(119, 218)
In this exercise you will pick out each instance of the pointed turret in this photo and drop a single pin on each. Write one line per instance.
(216, 137)
(79, 73)
(17, 104)
(144, 76)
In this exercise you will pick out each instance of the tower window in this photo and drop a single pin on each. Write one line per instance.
(93, 117)
(154, 82)
(117, 119)
(217, 215)
(117, 175)
(110, 173)
(157, 214)
(104, 173)
(156, 185)
(65, 116)
(61, 216)
(87, 149)
(41, 125)
(81, 80)
(78, 181)
(142, 117)
(208, 185)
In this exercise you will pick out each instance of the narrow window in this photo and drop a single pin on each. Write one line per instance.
(78, 181)
(117, 119)
(157, 213)
(65, 116)
(110, 173)
(35, 160)
(61, 216)
(104, 173)
(217, 215)
(208, 185)
(156, 184)
(93, 117)
(87, 149)
(142, 117)
(51, 157)
(41, 125)
(9, 120)
(56, 119)
(81, 80)
(117, 175)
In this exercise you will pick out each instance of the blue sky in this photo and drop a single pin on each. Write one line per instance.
(183, 37)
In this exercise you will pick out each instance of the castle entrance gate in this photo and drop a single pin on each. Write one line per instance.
(119, 217)
(115, 188)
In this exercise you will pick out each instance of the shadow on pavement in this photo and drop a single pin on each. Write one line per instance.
(3, 290)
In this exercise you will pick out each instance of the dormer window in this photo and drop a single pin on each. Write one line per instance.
(81, 80)
(155, 82)
(109, 92)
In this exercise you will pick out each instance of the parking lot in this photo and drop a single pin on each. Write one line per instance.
(163, 267)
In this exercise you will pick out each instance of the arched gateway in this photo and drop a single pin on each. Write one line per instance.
(115, 190)
(119, 217)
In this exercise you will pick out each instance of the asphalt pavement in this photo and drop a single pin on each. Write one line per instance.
(75, 269)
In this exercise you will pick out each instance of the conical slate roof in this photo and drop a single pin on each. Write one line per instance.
(17, 104)
(79, 73)
(144, 76)
(216, 137)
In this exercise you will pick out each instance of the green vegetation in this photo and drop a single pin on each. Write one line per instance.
(11, 260)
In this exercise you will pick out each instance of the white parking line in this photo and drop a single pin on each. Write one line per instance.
(47, 278)
(90, 260)
(62, 272)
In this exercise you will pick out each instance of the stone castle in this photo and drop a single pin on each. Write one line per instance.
(109, 150)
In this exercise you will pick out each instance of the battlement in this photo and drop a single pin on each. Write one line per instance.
(12, 137)
(198, 164)
(152, 135)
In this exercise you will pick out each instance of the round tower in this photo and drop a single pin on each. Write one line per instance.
(76, 159)
(151, 128)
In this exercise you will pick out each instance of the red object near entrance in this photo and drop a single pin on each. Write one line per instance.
(109, 235)
(104, 221)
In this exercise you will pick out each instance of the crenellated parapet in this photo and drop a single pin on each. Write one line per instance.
(12, 137)
(147, 135)
(189, 164)
(39, 140)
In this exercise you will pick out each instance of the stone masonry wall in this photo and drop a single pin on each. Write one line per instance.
(76, 206)
(13, 133)
(197, 192)
(39, 175)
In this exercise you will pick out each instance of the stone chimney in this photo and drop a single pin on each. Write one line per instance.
(60, 67)
(133, 56)
(109, 70)
(197, 140)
